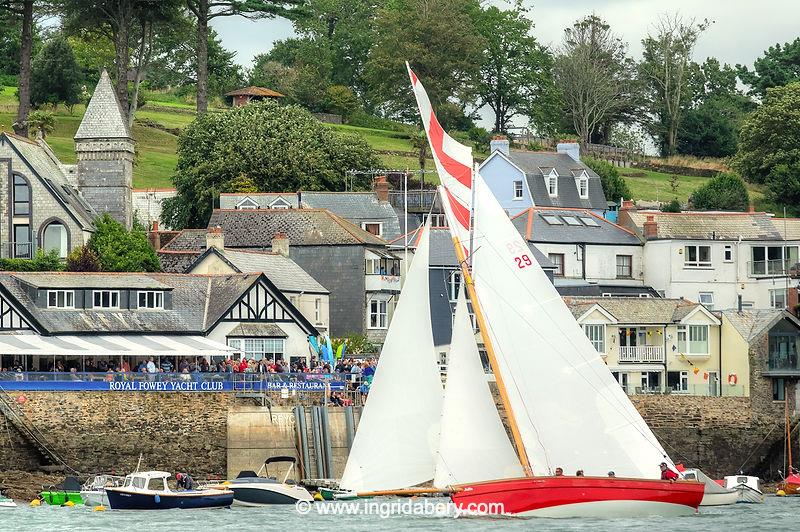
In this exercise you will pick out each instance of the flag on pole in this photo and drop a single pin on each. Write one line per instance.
(453, 162)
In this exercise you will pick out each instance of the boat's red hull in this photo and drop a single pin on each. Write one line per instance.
(580, 497)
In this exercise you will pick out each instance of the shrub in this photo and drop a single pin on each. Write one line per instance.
(42, 262)
(83, 259)
(672, 206)
(723, 192)
(614, 185)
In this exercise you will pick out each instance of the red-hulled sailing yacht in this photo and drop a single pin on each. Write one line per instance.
(565, 409)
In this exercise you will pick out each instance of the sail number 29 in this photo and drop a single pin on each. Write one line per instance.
(521, 258)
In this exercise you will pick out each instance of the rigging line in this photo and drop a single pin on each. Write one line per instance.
(627, 414)
(740, 468)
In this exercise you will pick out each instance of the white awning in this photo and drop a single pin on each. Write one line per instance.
(105, 345)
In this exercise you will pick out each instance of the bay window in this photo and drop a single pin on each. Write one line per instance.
(693, 339)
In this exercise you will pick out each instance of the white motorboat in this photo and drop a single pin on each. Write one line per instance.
(714, 494)
(748, 488)
(251, 489)
(5, 502)
(93, 492)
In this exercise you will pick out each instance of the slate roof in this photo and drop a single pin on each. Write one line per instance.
(635, 310)
(188, 240)
(177, 261)
(50, 172)
(199, 301)
(103, 118)
(534, 228)
(272, 330)
(751, 323)
(533, 163)
(229, 200)
(284, 273)
(86, 280)
(699, 225)
(255, 91)
(579, 287)
(303, 227)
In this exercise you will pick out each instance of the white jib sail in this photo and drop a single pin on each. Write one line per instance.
(398, 435)
(571, 411)
(473, 445)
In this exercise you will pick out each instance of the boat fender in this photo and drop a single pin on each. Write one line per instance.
(36, 502)
(157, 498)
(69, 504)
(318, 497)
(99, 508)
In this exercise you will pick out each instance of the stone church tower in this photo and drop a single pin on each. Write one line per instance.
(105, 151)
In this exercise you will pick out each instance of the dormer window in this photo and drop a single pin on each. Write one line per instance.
(247, 203)
(583, 187)
(152, 299)
(552, 184)
(279, 203)
(60, 299)
(108, 299)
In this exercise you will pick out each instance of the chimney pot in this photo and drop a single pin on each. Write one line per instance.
(650, 227)
(155, 226)
(381, 188)
(500, 143)
(751, 208)
(215, 238)
(280, 244)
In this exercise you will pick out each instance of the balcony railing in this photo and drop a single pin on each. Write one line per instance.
(418, 200)
(783, 364)
(773, 268)
(376, 282)
(641, 353)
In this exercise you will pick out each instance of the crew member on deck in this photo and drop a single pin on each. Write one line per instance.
(667, 473)
(559, 472)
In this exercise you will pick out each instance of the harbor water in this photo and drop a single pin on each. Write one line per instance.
(777, 513)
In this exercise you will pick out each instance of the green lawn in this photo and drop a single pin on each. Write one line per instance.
(380, 139)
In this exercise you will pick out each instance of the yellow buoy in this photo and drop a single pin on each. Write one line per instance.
(318, 497)
(69, 503)
(36, 502)
(99, 508)
(780, 493)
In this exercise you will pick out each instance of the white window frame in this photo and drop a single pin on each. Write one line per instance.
(596, 333)
(697, 263)
(379, 224)
(318, 311)
(709, 296)
(583, 187)
(686, 333)
(157, 297)
(379, 310)
(727, 253)
(517, 190)
(454, 281)
(67, 299)
(247, 204)
(683, 381)
(259, 347)
(112, 294)
(630, 266)
(774, 299)
(552, 184)
(560, 270)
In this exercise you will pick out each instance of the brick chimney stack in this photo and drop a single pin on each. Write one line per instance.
(381, 188)
(751, 208)
(215, 238)
(280, 244)
(650, 227)
(626, 205)
(154, 236)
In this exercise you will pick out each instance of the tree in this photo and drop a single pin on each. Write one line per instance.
(614, 186)
(23, 9)
(340, 100)
(672, 206)
(42, 122)
(770, 136)
(593, 74)
(42, 262)
(207, 10)
(55, 75)
(279, 148)
(439, 39)
(83, 259)
(516, 74)
(723, 192)
(120, 250)
(10, 32)
(780, 65)
(667, 55)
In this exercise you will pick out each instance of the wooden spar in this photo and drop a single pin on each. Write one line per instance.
(402, 492)
(788, 433)
(512, 420)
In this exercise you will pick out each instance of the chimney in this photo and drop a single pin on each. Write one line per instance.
(299, 199)
(280, 244)
(792, 300)
(751, 208)
(573, 149)
(500, 143)
(650, 227)
(154, 236)
(381, 188)
(215, 238)
(626, 205)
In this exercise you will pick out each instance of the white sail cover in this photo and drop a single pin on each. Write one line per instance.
(398, 434)
(473, 446)
(571, 411)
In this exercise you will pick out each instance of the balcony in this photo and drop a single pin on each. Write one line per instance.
(783, 365)
(773, 268)
(418, 200)
(382, 283)
(653, 354)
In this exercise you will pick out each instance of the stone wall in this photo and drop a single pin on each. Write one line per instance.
(106, 431)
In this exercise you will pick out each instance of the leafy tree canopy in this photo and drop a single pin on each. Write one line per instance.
(55, 75)
(120, 250)
(279, 148)
(614, 185)
(673, 206)
(780, 65)
(723, 192)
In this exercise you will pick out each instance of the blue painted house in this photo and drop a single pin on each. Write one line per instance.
(524, 179)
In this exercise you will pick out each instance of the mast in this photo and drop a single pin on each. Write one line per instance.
(788, 434)
(473, 296)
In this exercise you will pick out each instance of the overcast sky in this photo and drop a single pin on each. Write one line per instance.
(742, 29)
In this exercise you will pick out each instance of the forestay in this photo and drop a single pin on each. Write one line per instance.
(571, 412)
(473, 446)
(398, 434)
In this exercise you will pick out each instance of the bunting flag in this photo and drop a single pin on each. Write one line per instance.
(453, 163)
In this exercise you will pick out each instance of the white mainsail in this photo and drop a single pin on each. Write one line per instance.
(473, 446)
(570, 410)
(398, 435)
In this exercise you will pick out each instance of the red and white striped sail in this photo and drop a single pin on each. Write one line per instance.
(453, 162)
